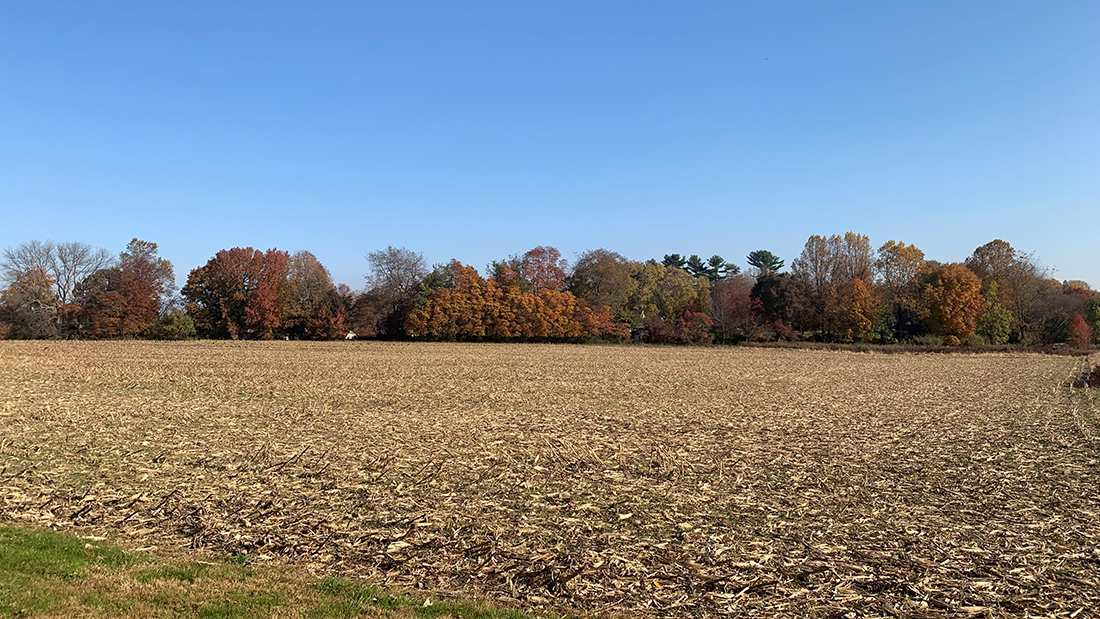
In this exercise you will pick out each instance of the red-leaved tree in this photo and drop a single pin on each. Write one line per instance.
(1079, 333)
(544, 268)
(734, 308)
(124, 300)
(240, 293)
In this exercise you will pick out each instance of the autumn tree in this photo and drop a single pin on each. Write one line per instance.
(693, 326)
(146, 278)
(73, 262)
(850, 310)
(30, 256)
(346, 296)
(363, 316)
(1079, 333)
(475, 308)
(473, 312)
(997, 261)
(825, 270)
(667, 301)
(509, 272)
(853, 257)
(734, 310)
(67, 263)
(560, 315)
(663, 292)
(29, 306)
(898, 268)
(899, 272)
(101, 302)
(1021, 283)
(454, 311)
(315, 309)
(1054, 308)
(308, 280)
(763, 262)
(952, 300)
(544, 268)
(778, 299)
(241, 293)
(124, 300)
(813, 270)
(641, 302)
(602, 278)
(393, 285)
(1077, 286)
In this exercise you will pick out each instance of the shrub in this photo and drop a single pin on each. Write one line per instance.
(175, 325)
(693, 327)
(657, 330)
(783, 332)
(977, 340)
(928, 340)
(1079, 333)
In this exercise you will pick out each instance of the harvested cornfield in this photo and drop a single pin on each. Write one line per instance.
(614, 480)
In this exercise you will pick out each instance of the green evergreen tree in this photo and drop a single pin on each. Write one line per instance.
(675, 261)
(764, 262)
(718, 268)
(696, 267)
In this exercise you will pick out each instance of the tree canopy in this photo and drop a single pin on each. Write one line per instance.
(839, 288)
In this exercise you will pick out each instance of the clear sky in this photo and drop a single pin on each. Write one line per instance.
(475, 130)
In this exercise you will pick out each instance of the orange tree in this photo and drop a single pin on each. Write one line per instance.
(471, 307)
(952, 299)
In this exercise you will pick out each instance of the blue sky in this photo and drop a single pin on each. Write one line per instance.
(474, 130)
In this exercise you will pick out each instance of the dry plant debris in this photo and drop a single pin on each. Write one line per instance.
(621, 481)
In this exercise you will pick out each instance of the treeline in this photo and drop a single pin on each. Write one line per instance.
(75, 290)
(840, 288)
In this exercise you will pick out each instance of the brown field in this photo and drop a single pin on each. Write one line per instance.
(626, 480)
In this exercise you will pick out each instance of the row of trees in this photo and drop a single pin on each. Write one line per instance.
(75, 290)
(458, 303)
(839, 288)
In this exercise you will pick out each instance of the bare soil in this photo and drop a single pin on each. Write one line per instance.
(630, 481)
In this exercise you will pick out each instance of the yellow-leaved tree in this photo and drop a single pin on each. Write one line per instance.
(952, 299)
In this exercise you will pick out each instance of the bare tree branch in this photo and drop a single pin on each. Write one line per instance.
(73, 262)
(22, 258)
(396, 274)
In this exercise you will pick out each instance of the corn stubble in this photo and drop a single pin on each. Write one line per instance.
(617, 480)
